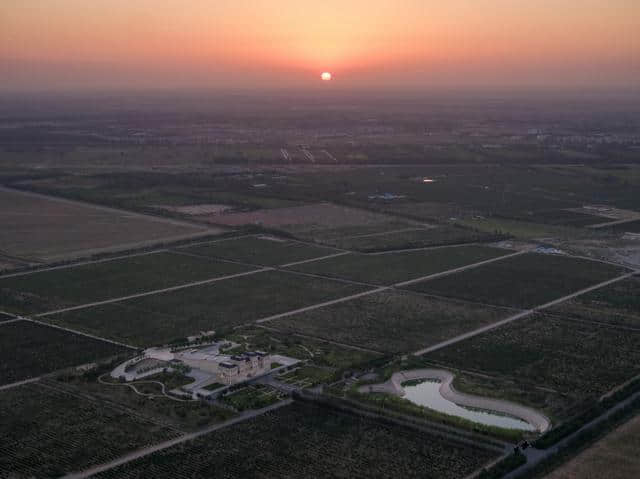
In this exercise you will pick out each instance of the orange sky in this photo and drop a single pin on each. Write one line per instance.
(364, 43)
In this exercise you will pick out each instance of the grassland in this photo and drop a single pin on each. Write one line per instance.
(252, 397)
(167, 316)
(579, 361)
(46, 228)
(391, 321)
(615, 456)
(617, 304)
(55, 289)
(47, 432)
(302, 440)
(521, 281)
(261, 250)
(391, 268)
(29, 349)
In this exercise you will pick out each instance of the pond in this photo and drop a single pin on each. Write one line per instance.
(427, 394)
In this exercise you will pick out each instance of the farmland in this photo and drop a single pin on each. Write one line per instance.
(48, 290)
(44, 228)
(304, 440)
(616, 304)
(266, 251)
(29, 349)
(393, 268)
(523, 281)
(615, 456)
(225, 304)
(414, 238)
(47, 431)
(391, 321)
(552, 353)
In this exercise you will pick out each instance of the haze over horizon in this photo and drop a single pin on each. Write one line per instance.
(375, 44)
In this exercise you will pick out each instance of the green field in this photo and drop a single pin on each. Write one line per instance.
(391, 268)
(579, 361)
(522, 281)
(617, 304)
(59, 288)
(29, 349)
(303, 440)
(266, 251)
(47, 432)
(167, 316)
(391, 321)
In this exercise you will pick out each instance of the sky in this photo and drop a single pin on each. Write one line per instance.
(253, 44)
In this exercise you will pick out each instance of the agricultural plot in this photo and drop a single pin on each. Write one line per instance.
(578, 360)
(521, 281)
(59, 288)
(29, 349)
(266, 251)
(46, 228)
(391, 321)
(563, 217)
(303, 440)
(393, 268)
(48, 432)
(616, 304)
(615, 456)
(414, 238)
(167, 316)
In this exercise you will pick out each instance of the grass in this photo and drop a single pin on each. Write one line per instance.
(222, 305)
(260, 250)
(56, 289)
(48, 432)
(29, 349)
(578, 361)
(391, 321)
(303, 440)
(522, 281)
(396, 267)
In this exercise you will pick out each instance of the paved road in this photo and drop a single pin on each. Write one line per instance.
(535, 456)
(517, 316)
(167, 444)
(20, 383)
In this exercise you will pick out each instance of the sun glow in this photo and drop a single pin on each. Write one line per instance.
(326, 76)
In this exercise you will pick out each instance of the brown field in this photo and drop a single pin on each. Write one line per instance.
(613, 457)
(46, 228)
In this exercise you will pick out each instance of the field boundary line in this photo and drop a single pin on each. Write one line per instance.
(140, 453)
(311, 260)
(427, 248)
(88, 335)
(20, 383)
(9, 321)
(153, 292)
(458, 270)
(322, 340)
(211, 241)
(520, 315)
(83, 263)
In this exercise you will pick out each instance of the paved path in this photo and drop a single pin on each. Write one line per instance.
(172, 442)
(517, 316)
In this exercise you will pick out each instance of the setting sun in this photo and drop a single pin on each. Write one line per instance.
(326, 76)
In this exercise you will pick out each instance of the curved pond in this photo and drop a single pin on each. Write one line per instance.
(427, 394)
(433, 389)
